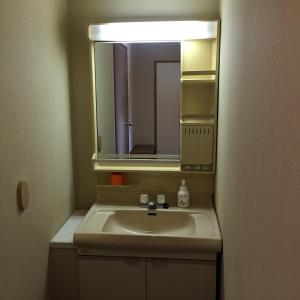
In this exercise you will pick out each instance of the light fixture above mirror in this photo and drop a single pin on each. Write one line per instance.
(152, 31)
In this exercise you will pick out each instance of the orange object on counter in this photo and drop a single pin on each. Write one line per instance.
(117, 179)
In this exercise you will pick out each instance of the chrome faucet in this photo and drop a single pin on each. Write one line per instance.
(153, 204)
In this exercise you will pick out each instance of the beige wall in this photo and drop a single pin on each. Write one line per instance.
(102, 11)
(259, 149)
(168, 107)
(35, 140)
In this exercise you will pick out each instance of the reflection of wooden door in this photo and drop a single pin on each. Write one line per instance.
(167, 85)
(121, 98)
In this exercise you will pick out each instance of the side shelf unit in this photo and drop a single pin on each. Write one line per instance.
(199, 103)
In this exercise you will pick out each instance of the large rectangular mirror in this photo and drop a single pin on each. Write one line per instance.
(138, 100)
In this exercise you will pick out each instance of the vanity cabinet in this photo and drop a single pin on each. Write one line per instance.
(122, 278)
(112, 278)
(169, 279)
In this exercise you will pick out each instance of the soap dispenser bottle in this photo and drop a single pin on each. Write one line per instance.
(183, 195)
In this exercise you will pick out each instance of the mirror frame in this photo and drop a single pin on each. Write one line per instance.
(206, 30)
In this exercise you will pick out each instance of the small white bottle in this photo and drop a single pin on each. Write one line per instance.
(183, 195)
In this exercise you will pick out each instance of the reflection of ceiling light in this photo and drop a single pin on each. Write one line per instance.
(153, 31)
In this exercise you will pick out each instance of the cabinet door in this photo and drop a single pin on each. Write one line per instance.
(112, 278)
(197, 144)
(180, 279)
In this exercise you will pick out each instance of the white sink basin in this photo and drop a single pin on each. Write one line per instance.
(128, 228)
(144, 222)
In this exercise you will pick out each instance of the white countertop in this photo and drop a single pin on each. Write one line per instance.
(64, 237)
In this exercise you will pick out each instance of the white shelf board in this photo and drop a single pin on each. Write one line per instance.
(198, 79)
(118, 187)
(197, 121)
(199, 72)
(136, 167)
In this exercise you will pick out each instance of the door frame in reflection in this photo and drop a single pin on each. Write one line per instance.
(121, 98)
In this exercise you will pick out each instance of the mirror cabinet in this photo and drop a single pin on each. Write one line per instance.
(155, 95)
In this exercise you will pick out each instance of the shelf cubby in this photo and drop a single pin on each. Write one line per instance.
(198, 55)
(199, 83)
(198, 99)
(103, 181)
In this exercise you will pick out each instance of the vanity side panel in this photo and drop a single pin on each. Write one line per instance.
(63, 274)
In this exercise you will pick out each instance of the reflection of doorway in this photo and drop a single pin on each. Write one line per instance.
(167, 106)
(121, 98)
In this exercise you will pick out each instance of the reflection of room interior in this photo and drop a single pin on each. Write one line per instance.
(146, 97)
(154, 95)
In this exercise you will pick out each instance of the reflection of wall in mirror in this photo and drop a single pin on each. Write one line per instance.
(141, 70)
(168, 107)
(105, 91)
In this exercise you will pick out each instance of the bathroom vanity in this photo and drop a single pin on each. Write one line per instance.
(115, 252)
(127, 252)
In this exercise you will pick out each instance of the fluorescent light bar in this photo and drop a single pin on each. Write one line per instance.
(153, 31)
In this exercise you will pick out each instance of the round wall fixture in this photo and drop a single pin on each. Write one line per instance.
(23, 195)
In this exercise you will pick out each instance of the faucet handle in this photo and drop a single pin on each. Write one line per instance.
(161, 199)
(144, 199)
